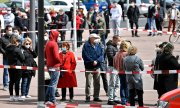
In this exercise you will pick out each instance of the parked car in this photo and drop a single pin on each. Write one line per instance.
(170, 99)
(91, 3)
(18, 3)
(141, 4)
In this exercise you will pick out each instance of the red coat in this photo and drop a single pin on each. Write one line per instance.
(78, 22)
(69, 78)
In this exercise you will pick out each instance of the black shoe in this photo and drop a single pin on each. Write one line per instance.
(111, 103)
(88, 99)
(57, 94)
(118, 102)
(71, 100)
(63, 99)
(154, 34)
(149, 34)
(97, 100)
(137, 36)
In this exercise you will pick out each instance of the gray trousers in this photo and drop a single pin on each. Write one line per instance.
(96, 83)
(114, 85)
(116, 25)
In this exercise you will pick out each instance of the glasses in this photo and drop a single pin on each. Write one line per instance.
(28, 44)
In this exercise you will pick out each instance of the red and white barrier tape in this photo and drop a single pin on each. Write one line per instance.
(107, 72)
(91, 106)
(125, 29)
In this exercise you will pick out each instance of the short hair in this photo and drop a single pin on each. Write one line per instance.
(115, 37)
(66, 44)
(8, 26)
(132, 50)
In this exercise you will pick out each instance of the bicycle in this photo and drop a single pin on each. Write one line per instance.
(174, 36)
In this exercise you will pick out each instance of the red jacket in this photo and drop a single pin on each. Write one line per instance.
(68, 78)
(51, 50)
(78, 22)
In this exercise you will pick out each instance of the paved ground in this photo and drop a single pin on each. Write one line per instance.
(145, 45)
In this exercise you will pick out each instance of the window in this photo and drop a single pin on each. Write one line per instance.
(62, 3)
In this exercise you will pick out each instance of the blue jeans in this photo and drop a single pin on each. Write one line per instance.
(25, 85)
(151, 24)
(103, 39)
(50, 92)
(123, 89)
(5, 73)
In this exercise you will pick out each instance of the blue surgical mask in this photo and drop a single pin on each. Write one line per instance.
(64, 50)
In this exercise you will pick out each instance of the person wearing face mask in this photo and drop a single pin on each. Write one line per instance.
(29, 55)
(18, 22)
(89, 16)
(9, 18)
(93, 56)
(133, 16)
(116, 13)
(61, 21)
(17, 32)
(4, 41)
(47, 18)
(151, 18)
(68, 78)
(16, 57)
(173, 15)
(111, 50)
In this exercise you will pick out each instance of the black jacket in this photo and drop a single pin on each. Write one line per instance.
(151, 11)
(14, 55)
(166, 82)
(111, 52)
(133, 14)
(4, 41)
(18, 22)
(29, 61)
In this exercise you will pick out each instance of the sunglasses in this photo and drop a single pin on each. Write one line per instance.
(28, 44)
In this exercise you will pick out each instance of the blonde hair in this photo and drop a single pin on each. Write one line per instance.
(14, 39)
(124, 46)
(132, 50)
(27, 39)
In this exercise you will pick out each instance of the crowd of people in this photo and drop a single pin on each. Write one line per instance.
(120, 54)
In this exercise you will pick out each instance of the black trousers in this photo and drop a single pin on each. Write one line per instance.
(63, 33)
(132, 94)
(79, 37)
(158, 25)
(14, 79)
(136, 24)
(71, 92)
(105, 82)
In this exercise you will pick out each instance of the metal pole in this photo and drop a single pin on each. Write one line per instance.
(127, 20)
(32, 23)
(78, 4)
(74, 26)
(164, 5)
(41, 89)
(23, 4)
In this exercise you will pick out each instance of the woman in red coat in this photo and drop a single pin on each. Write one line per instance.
(68, 78)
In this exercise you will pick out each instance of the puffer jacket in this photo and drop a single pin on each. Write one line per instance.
(111, 51)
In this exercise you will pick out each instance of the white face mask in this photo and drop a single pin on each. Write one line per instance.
(46, 38)
(59, 39)
(97, 41)
(27, 46)
(8, 12)
(9, 33)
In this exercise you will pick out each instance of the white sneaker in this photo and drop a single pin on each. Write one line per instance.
(5, 88)
(18, 98)
(22, 98)
(11, 99)
(28, 96)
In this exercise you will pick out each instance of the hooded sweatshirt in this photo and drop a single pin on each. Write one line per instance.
(51, 50)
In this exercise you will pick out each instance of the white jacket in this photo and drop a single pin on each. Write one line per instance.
(2, 21)
(9, 19)
(116, 12)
